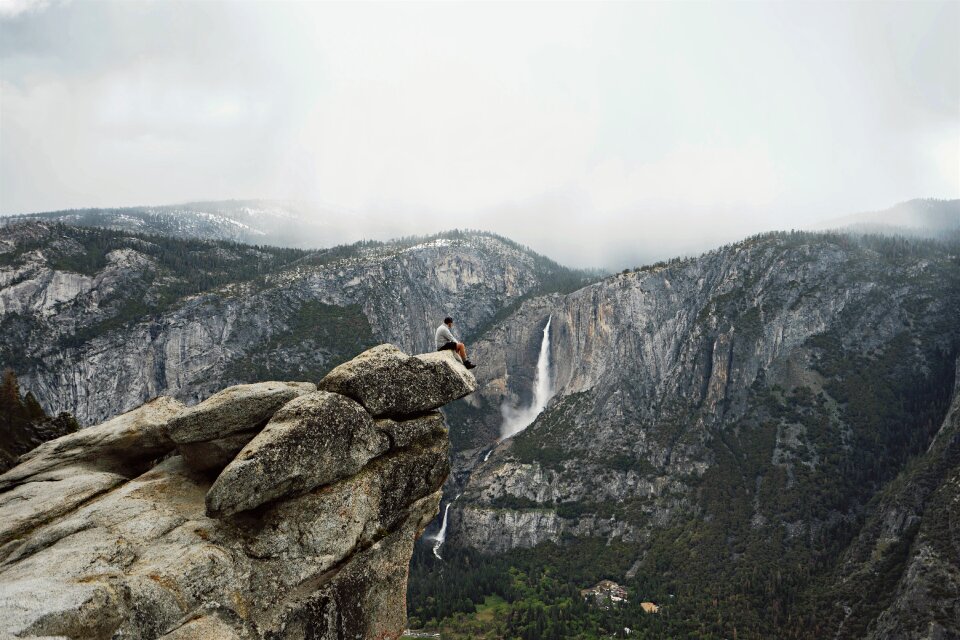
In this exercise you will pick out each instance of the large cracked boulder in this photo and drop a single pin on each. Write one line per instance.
(389, 383)
(314, 440)
(123, 530)
(211, 433)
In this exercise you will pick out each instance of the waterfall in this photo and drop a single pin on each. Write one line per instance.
(442, 534)
(542, 389)
(516, 420)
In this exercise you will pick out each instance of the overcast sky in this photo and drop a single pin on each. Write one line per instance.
(579, 129)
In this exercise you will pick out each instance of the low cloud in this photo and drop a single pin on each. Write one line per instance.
(13, 8)
(595, 133)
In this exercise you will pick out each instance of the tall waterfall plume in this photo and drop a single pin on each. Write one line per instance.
(516, 420)
(441, 536)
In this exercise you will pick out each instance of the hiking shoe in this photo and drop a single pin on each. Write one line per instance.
(469, 365)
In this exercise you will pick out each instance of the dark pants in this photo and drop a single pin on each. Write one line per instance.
(453, 346)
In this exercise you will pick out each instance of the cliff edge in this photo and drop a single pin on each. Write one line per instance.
(270, 510)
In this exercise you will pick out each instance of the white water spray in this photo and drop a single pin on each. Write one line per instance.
(441, 536)
(516, 420)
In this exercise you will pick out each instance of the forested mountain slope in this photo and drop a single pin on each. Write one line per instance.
(725, 428)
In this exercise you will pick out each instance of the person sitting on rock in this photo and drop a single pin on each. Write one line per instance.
(446, 340)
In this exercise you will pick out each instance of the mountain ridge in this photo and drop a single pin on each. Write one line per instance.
(306, 225)
(919, 217)
(277, 222)
(739, 414)
(148, 316)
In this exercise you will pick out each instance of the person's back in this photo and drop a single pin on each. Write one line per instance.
(444, 336)
(445, 340)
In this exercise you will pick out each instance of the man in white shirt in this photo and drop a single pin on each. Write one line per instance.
(446, 340)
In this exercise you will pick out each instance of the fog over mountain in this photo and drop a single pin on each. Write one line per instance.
(311, 226)
(600, 134)
(705, 258)
(929, 218)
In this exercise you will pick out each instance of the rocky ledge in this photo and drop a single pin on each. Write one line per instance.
(270, 510)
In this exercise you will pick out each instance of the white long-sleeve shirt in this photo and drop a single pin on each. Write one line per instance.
(444, 335)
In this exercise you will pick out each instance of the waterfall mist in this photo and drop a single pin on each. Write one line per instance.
(515, 419)
(442, 534)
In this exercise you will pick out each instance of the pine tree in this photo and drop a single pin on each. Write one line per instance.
(11, 406)
(33, 409)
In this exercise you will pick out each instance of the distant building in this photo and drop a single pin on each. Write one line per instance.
(605, 593)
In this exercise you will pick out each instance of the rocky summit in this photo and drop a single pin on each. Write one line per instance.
(272, 510)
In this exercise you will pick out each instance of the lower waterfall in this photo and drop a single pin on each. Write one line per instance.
(442, 534)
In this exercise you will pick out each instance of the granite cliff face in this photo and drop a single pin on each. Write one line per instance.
(650, 367)
(755, 403)
(271, 510)
(96, 322)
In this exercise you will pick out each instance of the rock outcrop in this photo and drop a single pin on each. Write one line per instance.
(273, 510)
(132, 326)
(213, 432)
(426, 380)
